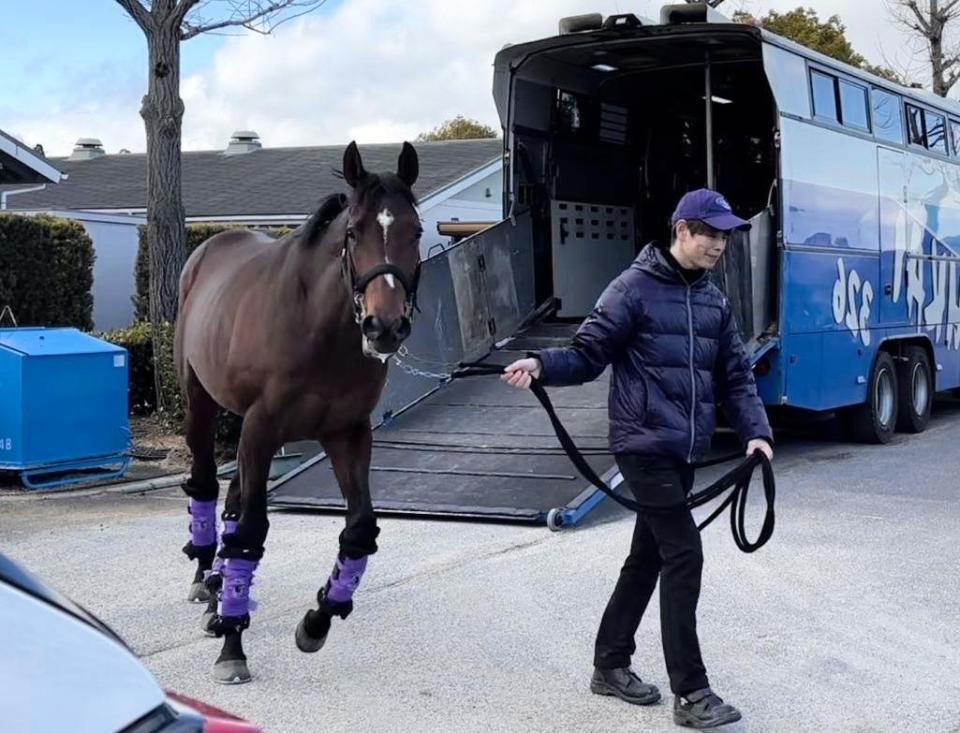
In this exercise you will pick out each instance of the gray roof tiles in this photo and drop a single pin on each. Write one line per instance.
(269, 181)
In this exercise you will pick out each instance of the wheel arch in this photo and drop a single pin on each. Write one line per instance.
(896, 346)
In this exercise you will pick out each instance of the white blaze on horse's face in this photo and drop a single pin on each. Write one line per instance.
(385, 218)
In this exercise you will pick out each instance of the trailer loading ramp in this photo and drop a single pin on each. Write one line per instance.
(478, 448)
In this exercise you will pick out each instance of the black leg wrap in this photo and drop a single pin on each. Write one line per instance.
(317, 624)
(203, 553)
(222, 625)
(332, 608)
(360, 539)
(214, 583)
(240, 545)
(204, 492)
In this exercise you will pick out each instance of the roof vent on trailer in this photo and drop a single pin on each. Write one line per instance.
(691, 13)
(581, 23)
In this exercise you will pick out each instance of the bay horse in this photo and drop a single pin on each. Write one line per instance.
(294, 335)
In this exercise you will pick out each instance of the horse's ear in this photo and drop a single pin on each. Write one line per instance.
(353, 170)
(408, 165)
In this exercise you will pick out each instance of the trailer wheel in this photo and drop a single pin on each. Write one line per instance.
(915, 388)
(875, 420)
(555, 520)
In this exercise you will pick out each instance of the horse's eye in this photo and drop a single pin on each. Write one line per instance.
(351, 233)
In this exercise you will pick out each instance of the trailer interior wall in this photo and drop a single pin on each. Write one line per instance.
(566, 119)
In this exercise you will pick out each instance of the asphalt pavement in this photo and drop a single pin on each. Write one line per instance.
(846, 622)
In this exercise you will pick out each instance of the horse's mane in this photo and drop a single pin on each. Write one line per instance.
(328, 210)
(369, 191)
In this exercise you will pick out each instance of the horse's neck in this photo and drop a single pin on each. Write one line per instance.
(312, 273)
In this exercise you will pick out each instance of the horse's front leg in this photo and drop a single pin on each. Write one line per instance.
(349, 452)
(214, 579)
(243, 548)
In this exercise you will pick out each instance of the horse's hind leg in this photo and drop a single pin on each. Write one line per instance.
(243, 548)
(214, 581)
(349, 453)
(202, 486)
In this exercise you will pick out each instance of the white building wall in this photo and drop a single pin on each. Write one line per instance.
(115, 248)
(471, 203)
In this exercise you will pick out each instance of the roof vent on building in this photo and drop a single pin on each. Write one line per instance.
(243, 141)
(87, 148)
(123, 151)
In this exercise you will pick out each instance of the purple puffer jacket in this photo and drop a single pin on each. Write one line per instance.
(676, 353)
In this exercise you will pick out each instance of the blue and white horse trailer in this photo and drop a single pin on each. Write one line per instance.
(847, 289)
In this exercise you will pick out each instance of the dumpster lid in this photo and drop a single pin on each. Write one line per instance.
(53, 342)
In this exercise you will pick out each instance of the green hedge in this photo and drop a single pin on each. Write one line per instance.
(137, 340)
(46, 271)
(197, 234)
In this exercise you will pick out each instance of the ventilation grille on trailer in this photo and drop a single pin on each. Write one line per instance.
(613, 124)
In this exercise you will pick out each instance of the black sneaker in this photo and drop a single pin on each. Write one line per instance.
(703, 709)
(625, 684)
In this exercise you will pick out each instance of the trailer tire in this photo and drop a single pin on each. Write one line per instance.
(915, 390)
(874, 421)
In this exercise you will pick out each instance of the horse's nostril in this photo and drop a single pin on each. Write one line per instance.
(372, 327)
(403, 329)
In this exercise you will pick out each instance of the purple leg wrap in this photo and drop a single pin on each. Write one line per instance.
(229, 527)
(203, 522)
(235, 593)
(345, 578)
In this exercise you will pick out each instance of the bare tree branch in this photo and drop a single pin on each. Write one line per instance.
(924, 24)
(253, 16)
(932, 22)
(948, 8)
(183, 7)
(139, 14)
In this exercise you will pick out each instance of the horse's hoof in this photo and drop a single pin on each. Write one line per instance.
(306, 642)
(206, 620)
(231, 672)
(199, 593)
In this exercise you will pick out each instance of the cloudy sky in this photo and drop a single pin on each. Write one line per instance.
(370, 70)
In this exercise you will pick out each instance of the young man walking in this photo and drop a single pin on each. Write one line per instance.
(675, 350)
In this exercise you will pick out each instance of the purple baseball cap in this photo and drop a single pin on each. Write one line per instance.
(710, 207)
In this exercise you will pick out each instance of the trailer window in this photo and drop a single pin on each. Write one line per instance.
(915, 133)
(936, 132)
(824, 96)
(887, 123)
(955, 137)
(853, 105)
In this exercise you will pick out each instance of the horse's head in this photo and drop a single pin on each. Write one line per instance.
(381, 254)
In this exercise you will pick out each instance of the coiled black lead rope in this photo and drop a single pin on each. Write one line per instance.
(738, 479)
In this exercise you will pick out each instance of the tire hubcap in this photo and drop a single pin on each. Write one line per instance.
(921, 390)
(884, 398)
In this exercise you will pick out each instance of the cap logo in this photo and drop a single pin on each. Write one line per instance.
(722, 203)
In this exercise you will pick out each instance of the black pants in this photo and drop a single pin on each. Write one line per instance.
(666, 543)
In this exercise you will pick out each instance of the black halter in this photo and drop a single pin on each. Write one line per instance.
(358, 285)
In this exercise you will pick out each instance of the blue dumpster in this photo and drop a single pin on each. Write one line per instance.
(63, 406)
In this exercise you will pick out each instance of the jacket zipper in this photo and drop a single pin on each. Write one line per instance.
(693, 379)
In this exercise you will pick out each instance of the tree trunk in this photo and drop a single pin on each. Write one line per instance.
(935, 40)
(162, 113)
